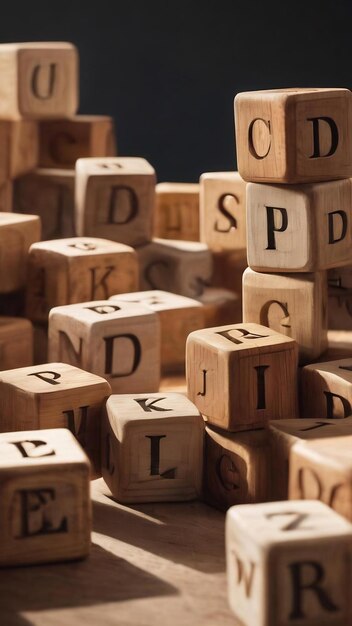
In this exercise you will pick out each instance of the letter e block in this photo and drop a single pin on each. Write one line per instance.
(326, 389)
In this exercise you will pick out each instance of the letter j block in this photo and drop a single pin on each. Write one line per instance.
(241, 376)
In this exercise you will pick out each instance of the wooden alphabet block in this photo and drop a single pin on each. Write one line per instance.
(19, 148)
(16, 342)
(292, 304)
(115, 198)
(183, 267)
(45, 513)
(221, 307)
(301, 228)
(62, 142)
(17, 234)
(240, 376)
(40, 80)
(294, 135)
(326, 389)
(177, 211)
(223, 211)
(50, 194)
(178, 317)
(78, 269)
(288, 563)
(236, 468)
(55, 395)
(340, 298)
(152, 448)
(118, 340)
(228, 268)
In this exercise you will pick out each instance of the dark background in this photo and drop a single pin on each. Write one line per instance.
(168, 72)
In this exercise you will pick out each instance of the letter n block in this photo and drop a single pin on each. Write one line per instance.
(240, 376)
(294, 135)
(288, 563)
(177, 211)
(45, 513)
(152, 447)
(326, 389)
(115, 198)
(299, 228)
(17, 234)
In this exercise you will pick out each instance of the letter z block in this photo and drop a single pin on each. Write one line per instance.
(288, 563)
(45, 513)
(152, 448)
(240, 376)
(326, 389)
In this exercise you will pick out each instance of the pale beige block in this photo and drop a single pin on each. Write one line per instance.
(16, 342)
(45, 513)
(326, 389)
(17, 234)
(176, 213)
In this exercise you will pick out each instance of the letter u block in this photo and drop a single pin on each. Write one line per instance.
(115, 198)
(40, 80)
(294, 135)
(289, 563)
(241, 376)
(55, 395)
(78, 269)
(152, 447)
(326, 389)
(117, 340)
(302, 228)
(45, 513)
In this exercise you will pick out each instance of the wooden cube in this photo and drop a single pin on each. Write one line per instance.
(45, 513)
(17, 234)
(301, 228)
(55, 395)
(221, 307)
(294, 135)
(118, 340)
(78, 269)
(223, 211)
(340, 298)
(228, 268)
(183, 267)
(236, 468)
(292, 304)
(16, 342)
(115, 198)
(20, 148)
(288, 563)
(177, 211)
(48, 193)
(62, 142)
(178, 317)
(241, 376)
(152, 448)
(326, 389)
(40, 80)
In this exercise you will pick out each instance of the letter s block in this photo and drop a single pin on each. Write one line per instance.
(288, 563)
(45, 513)
(294, 135)
(152, 447)
(40, 80)
(326, 389)
(241, 376)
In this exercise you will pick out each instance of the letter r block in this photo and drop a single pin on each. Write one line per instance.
(288, 563)
(327, 389)
(233, 373)
(294, 135)
(45, 513)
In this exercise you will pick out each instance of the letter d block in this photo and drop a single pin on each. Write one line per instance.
(45, 513)
(326, 389)
(152, 448)
(288, 563)
(294, 135)
(240, 376)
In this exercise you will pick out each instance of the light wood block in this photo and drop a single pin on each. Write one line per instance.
(62, 142)
(48, 193)
(177, 211)
(40, 80)
(178, 317)
(183, 267)
(115, 198)
(221, 307)
(299, 228)
(45, 513)
(236, 468)
(292, 304)
(152, 448)
(55, 395)
(288, 563)
(241, 376)
(223, 211)
(78, 269)
(117, 340)
(17, 234)
(340, 298)
(6, 197)
(16, 342)
(228, 268)
(326, 389)
(294, 135)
